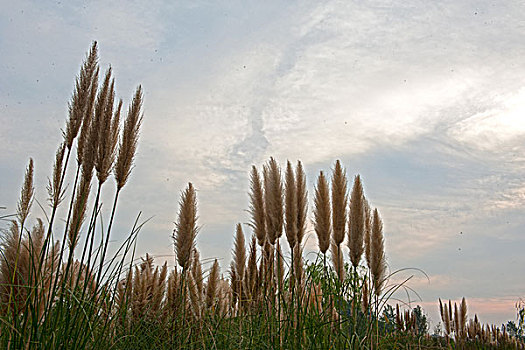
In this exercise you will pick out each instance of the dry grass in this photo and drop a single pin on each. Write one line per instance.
(377, 255)
(186, 228)
(257, 212)
(128, 143)
(356, 224)
(322, 215)
(290, 206)
(212, 285)
(339, 216)
(302, 201)
(55, 193)
(26, 195)
(239, 262)
(83, 96)
(339, 203)
(273, 200)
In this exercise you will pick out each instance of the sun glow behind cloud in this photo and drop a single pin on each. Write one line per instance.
(496, 127)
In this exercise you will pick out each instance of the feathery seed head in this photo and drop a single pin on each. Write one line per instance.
(23, 280)
(251, 268)
(463, 314)
(257, 212)
(56, 195)
(173, 296)
(96, 127)
(290, 206)
(446, 320)
(339, 203)
(377, 257)
(128, 143)
(26, 195)
(211, 286)
(322, 213)
(36, 240)
(107, 136)
(186, 227)
(302, 201)
(11, 290)
(103, 99)
(356, 224)
(273, 198)
(158, 288)
(87, 119)
(239, 252)
(80, 101)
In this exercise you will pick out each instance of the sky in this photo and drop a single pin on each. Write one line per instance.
(425, 100)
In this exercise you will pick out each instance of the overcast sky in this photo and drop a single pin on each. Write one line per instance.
(424, 99)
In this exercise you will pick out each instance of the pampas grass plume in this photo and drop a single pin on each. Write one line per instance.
(186, 227)
(212, 285)
(257, 212)
(107, 136)
(81, 101)
(302, 201)
(339, 203)
(463, 315)
(129, 140)
(356, 224)
(239, 252)
(251, 269)
(377, 257)
(273, 199)
(56, 194)
(290, 206)
(196, 270)
(322, 213)
(26, 195)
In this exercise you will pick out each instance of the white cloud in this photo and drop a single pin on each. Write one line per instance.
(494, 128)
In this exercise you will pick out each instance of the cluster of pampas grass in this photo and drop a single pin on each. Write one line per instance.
(288, 294)
(63, 290)
(52, 291)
